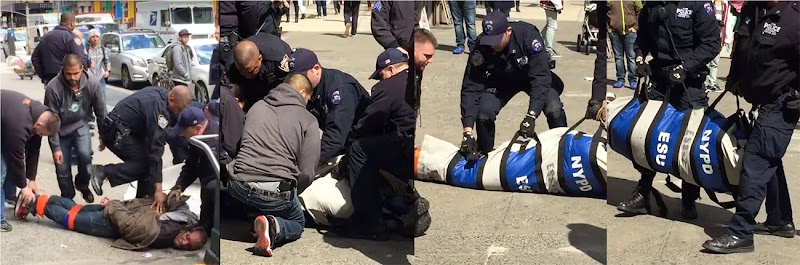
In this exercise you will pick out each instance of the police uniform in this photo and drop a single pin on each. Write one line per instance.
(135, 131)
(274, 68)
(492, 79)
(179, 145)
(765, 70)
(682, 37)
(239, 20)
(393, 22)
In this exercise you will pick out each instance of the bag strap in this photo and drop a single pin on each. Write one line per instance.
(711, 194)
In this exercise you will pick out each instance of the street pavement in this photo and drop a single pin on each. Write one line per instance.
(42, 241)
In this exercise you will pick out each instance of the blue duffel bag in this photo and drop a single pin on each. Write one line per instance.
(701, 147)
(559, 161)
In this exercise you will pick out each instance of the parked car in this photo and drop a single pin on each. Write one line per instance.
(201, 62)
(128, 52)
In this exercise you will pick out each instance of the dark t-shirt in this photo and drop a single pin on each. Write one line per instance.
(168, 231)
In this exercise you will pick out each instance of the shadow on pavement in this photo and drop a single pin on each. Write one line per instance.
(394, 251)
(590, 240)
(712, 218)
(341, 35)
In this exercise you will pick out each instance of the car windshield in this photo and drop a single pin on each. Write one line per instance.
(203, 15)
(204, 53)
(142, 41)
(182, 15)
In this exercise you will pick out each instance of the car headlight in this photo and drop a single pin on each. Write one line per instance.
(138, 62)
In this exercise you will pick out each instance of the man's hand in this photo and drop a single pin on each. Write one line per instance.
(27, 195)
(104, 202)
(733, 87)
(642, 68)
(526, 127)
(58, 157)
(403, 51)
(596, 110)
(158, 204)
(632, 30)
(105, 74)
(34, 187)
(677, 73)
(469, 147)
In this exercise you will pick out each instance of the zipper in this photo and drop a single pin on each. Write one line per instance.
(622, 9)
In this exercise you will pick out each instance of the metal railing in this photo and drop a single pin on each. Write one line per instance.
(212, 255)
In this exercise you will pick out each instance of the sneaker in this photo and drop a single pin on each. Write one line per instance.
(458, 50)
(265, 232)
(22, 210)
(11, 202)
(5, 226)
(619, 84)
(717, 89)
(347, 29)
(633, 85)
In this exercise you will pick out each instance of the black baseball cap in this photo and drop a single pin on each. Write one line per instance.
(494, 25)
(190, 116)
(302, 61)
(184, 32)
(386, 58)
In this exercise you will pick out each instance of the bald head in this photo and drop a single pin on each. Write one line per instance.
(179, 98)
(67, 19)
(245, 52)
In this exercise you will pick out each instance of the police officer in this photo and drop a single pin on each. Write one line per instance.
(682, 37)
(338, 101)
(178, 144)
(764, 70)
(507, 59)
(261, 63)
(135, 131)
(393, 22)
(239, 20)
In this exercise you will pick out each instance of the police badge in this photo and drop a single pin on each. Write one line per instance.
(477, 59)
(336, 98)
(162, 121)
(284, 66)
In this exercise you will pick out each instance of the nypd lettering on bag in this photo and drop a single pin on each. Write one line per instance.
(579, 177)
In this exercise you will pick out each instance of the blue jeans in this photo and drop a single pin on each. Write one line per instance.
(3, 182)
(103, 87)
(79, 141)
(288, 213)
(322, 8)
(620, 43)
(90, 220)
(464, 11)
(10, 189)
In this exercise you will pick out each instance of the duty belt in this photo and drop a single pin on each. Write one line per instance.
(116, 130)
(285, 190)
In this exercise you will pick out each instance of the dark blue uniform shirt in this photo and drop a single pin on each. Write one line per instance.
(274, 68)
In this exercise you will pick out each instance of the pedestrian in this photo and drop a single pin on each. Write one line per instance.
(425, 45)
(623, 21)
(551, 9)
(337, 6)
(351, 18)
(767, 77)
(502, 6)
(74, 97)
(100, 65)
(463, 13)
(23, 122)
(180, 63)
(54, 47)
(322, 9)
(393, 23)
(678, 69)
(710, 84)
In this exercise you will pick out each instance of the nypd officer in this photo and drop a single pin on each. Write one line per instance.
(260, 63)
(238, 20)
(338, 101)
(508, 58)
(681, 37)
(135, 131)
(765, 71)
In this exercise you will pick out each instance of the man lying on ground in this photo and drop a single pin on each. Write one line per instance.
(134, 224)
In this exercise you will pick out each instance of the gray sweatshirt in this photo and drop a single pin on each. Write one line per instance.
(182, 62)
(74, 109)
(281, 140)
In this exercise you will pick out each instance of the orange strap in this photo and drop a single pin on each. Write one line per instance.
(416, 159)
(40, 203)
(72, 214)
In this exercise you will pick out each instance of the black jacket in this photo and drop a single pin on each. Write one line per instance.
(197, 164)
(242, 17)
(338, 102)
(20, 145)
(388, 110)
(393, 22)
(231, 121)
(48, 56)
(274, 68)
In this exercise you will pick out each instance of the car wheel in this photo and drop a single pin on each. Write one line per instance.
(126, 78)
(201, 93)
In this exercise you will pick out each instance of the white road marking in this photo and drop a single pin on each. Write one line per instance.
(494, 250)
(571, 249)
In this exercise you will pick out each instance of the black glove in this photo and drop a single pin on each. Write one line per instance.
(526, 127)
(469, 147)
(676, 73)
(593, 108)
(643, 68)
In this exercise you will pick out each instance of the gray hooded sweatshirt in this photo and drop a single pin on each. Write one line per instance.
(281, 140)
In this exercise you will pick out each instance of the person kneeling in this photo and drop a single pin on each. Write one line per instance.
(134, 224)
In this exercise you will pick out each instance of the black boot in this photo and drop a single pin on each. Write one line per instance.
(689, 210)
(87, 195)
(787, 230)
(97, 178)
(638, 204)
(727, 244)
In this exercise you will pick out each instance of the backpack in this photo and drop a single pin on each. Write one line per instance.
(170, 62)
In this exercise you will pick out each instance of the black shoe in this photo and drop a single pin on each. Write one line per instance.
(5, 226)
(637, 204)
(87, 195)
(303, 17)
(97, 177)
(727, 244)
(689, 211)
(787, 230)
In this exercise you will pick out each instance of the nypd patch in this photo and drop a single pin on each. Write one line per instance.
(477, 59)
(377, 6)
(488, 26)
(336, 98)
(162, 121)
(537, 45)
(284, 66)
(709, 9)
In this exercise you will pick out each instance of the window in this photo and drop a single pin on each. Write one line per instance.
(110, 41)
(142, 41)
(164, 18)
(181, 15)
(204, 53)
(203, 15)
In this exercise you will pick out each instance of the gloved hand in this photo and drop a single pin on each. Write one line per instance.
(526, 127)
(469, 147)
(596, 110)
(733, 87)
(676, 73)
(642, 68)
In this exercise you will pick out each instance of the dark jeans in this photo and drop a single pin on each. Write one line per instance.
(690, 97)
(133, 151)
(322, 8)
(392, 153)
(79, 142)
(623, 53)
(492, 103)
(90, 220)
(336, 6)
(351, 15)
(287, 210)
(464, 12)
(763, 175)
(178, 145)
(9, 189)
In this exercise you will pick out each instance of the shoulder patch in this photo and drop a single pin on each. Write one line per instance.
(336, 98)
(477, 58)
(162, 121)
(537, 46)
(26, 102)
(377, 6)
(284, 63)
(709, 9)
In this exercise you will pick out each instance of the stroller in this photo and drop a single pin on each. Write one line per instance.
(588, 38)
